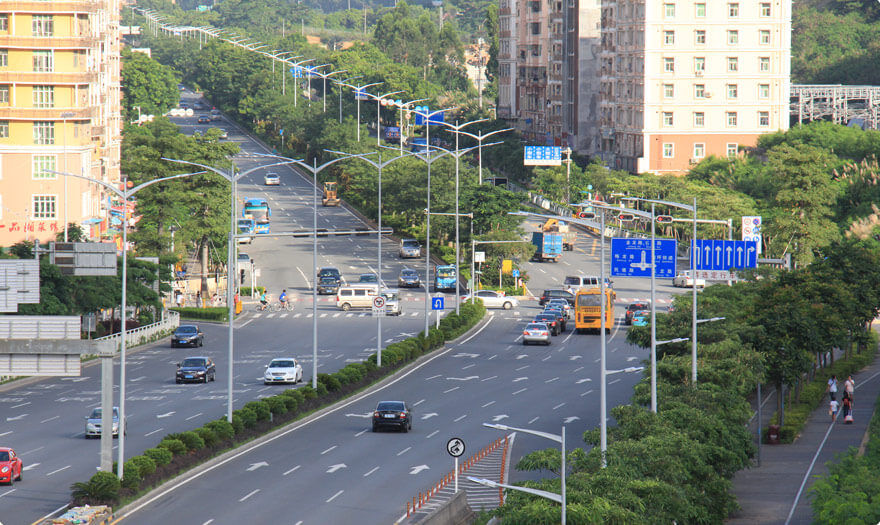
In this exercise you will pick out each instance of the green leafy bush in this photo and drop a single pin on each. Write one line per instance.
(131, 475)
(222, 429)
(191, 440)
(175, 446)
(213, 313)
(238, 422)
(102, 487)
(144, 464)
(260, 408)
(247, 415)
(160, 456)
(321, 391)
(307, 392)
(330, 382)
(208, 437)
(276, 405)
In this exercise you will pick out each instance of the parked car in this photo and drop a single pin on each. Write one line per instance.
(272, 179)
(641, 317)
(562, 304)
(410, 248)
(93, 423)
(551, 320)
(330, 271)
(10, 466)
(195, 370)
(368, 278)
(684, 279)
(283, 370)
(493, 299)
(187, 335)
(536, 333)
(556, 294)
(632, 308)
(392, 414)
(408, 278)
(204, 119)
(327, 285)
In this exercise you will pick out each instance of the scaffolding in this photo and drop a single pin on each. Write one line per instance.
(847, 105)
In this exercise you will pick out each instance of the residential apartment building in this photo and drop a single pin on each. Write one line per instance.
(684, 79)
(59, 110)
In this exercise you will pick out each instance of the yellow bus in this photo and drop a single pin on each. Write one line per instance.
(587, 310)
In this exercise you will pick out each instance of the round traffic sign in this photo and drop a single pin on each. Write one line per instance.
(378, 302)
(455, 447)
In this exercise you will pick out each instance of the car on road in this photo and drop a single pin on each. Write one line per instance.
(223, 134)
(550, 320)
(634, 307)
(244, 258)
(93, 423)
(198, 369)
(641, 318)
(536, 333)
(556, 294)
(560, 316)
(283, 370)
(272, 179)
(10, 466)
(199, 105)
(330, 271)
(204, 119)
(187, 335)
(215, 114)
(392, 414)
(685, 279)
(328, 285)
(408, 278)
(410, 248)
(368, 278)
(493, 299)
(562, 304)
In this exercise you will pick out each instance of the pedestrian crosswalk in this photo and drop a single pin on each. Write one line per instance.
(322, 315)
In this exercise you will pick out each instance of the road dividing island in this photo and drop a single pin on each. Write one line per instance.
(490, 462)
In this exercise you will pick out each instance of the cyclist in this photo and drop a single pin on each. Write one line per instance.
(283, 298)
(263, 300)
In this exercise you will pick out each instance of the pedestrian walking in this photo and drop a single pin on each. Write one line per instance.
(179, 300)
(847, 410)
(199, 299)
(832, 387)
(849, 386)
(833, 409)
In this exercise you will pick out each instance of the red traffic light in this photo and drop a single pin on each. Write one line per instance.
(626, 217)
(664, 219)
(587, 215)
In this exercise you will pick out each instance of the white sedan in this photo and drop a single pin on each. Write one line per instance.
(272, 179)
(685, 279)
(283, 370)
(493, 299)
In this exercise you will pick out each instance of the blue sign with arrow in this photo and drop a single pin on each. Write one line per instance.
(632, 257)
(724, 255)
(437, 303)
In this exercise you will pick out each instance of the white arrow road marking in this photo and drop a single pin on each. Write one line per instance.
(579, 381)
(429, 415)
(368, 414)
(166, 414)
(416, 470)
(255, 466)
(16, 418)
(334, 468)
(518, 379)
(570, 419)
(463, 354)
(522, 356)
(631, 358)
(468, 378)
(574, 357)
(31, 466)
(499, 417)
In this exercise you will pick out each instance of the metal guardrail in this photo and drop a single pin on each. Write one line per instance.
(147, 333)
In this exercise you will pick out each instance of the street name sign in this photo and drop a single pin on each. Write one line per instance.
(632, 257)
(724, 255)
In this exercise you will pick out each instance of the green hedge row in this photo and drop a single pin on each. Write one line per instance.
(245, 291)
(180, 451)
(213, 313)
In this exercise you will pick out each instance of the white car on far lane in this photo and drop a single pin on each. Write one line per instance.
(493, 299)
(685, 279)
(272, 179)
(283, 370)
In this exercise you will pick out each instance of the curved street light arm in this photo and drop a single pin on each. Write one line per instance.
(481, 137)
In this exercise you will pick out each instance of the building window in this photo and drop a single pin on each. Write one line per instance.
(669, 10)
(535, 6)
(699, 90)
(733, 10)
(44, 133)
(765, 9)
(4, 22)
(4, 58)
(41, 166)
(732, 64)
(668, 90)
(764, 37)
(535, 28)
(79, 55)
(44, 61)
(732, 91)
(699, 119)
(44, 207)
(699, 150)
(668, 37)
(699, 65)
(4, 94)
(669, 65)
(4, 129)
(732, 37)
(668, 150)
(764, 64)
(763, 90)
(700, 36)
(731, 119)
(764, 119)
(667, 119)
(701, 10)
(44, 96)
(732, 150)
(43, 25)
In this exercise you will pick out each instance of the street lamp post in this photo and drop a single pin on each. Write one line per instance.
(294, 66)
(358, 91)
(342, 83)
(311, 71)
(479, 138)
(401, 106)
(567, 161)
(325, 76)
(124, 194)
(379, 99)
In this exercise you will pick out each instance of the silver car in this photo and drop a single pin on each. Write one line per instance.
(493, 299)
(536, 333)
(93, 423)
(272, 179)
(561, 304)
(410, 248)
(283, 370)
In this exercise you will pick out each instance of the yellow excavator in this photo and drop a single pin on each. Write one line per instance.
(330, 198)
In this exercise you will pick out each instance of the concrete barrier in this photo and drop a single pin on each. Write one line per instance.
(456, 511)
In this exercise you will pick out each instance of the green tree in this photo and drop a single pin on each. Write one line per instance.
(147, 84)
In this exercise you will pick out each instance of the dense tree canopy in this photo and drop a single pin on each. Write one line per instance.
(147, 84)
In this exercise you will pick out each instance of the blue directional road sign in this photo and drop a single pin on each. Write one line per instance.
(437, 303)
(632, 257)
(543, 156)
(296, 71)
(515, 273)
(724, 255)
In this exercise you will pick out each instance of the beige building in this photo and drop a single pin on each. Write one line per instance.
(681, 80)
(59, 110)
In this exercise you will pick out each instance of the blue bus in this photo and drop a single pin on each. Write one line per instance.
(445, 278)
(258, 210)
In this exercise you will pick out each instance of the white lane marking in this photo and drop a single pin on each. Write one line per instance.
(208, 522)
(10, 491)
(404, 451)
(249, 495)
(21, 404)
(459, 418)
(468, 366)
(432, 434)
(521, 390)
(31, 466)
(333, 497)
(450, 390)
(551, 380)
(578, 369)
(328, 450)
(558, 406)
(54, 512)
(294, 469)
(50, 419)
(193, 417)
(546, 358)
(490, 403)
(242, 325)
(533, 420)
(360, 433)
(489, 378)
(153, 432)
(614, 381)
(57, 471)
(141, 378)
(585, 393)
(477, 332)
(522, 368)
(374, 469)
(6, 433)
(419, 402)
(306, 279)
(569, 337)
(433, 377)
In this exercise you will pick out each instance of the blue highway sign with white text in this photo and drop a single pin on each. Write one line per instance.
(632, 257)
(437, 303)
(724, 255)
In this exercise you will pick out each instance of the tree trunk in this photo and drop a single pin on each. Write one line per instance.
(780, 403)
(203, 259)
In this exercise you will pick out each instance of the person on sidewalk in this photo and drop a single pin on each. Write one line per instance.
(847, 410)
(832, 387)
(849, 386)
(833, 409)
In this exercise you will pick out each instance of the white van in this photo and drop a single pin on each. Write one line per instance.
(584, 281)
(362, 295)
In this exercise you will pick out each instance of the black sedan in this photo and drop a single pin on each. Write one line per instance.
(195, 370)
(392, 414)
(187, 335)
(327, 286)
(560, 316)
(551, 320)
(408, 278)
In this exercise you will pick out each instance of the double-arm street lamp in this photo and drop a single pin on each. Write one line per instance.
(358, 93)
(297, 66)
(340, 84)
(379, 99)
(479, 138)
(324, 77)
(401, 106)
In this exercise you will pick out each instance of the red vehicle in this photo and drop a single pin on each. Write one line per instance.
(10, 466)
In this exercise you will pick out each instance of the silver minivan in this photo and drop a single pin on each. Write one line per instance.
(362, 296)
(584, 281)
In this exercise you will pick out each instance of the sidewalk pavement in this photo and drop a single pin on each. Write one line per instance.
(777, 491)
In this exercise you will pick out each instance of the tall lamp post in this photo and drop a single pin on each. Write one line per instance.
(325, 76)
(379, 99)
(401, 106)
(479, 138)
(358, 92)
(342, 83)
(124, 194)
(297, 67)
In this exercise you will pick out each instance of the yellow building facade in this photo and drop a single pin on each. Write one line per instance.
(60, 103)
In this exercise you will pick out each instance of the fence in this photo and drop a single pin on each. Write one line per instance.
(147, 333)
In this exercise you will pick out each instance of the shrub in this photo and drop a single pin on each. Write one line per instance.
(175, 446)
(144, 464)
(260, 408)
(370, 364)
(103, 487)
(191, 440)
(222, 429)
(322, 390)
(295, 393)
(217, 313)
(330, 382)
(208, 437)
(131, 475)
(290, 402)
(237, 423)
(276, 405)
(247, 415)
(307, 392)
(160, 456)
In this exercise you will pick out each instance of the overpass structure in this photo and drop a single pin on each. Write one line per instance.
(859, 105)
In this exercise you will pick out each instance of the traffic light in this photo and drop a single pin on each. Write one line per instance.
(587, 215)
(626, 217)
(664, 219)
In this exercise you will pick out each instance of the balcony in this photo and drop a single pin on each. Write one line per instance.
(97, 132)
(57, 6)
(8, 113)
(47, 42)
(48, 77)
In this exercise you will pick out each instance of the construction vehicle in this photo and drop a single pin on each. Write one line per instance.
(330, 198)
(569, 236)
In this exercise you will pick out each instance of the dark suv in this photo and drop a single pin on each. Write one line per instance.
(195, 370)
(327, 285)
(634, 307)
(392, 414)
(330, 271)
(556, 294)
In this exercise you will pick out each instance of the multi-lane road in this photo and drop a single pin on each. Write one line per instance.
(330, 469)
